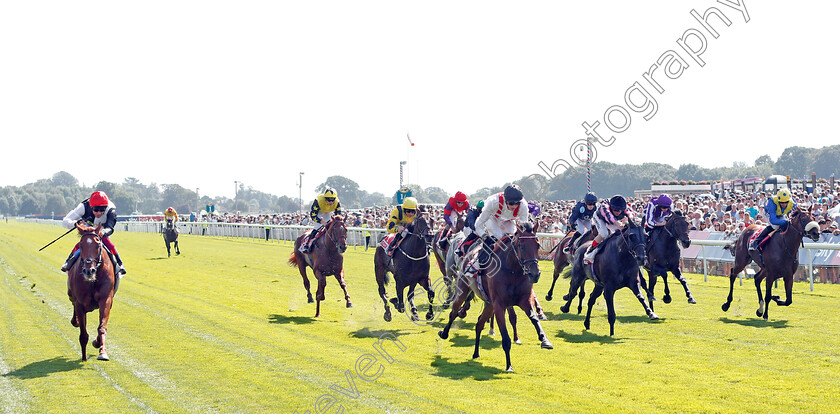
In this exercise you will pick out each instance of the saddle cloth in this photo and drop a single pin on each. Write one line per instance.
(386, 241)
(755, 236)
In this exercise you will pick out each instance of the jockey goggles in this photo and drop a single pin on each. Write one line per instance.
(330, 199)
(100, 209)
(409, 211)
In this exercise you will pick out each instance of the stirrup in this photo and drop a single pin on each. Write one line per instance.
(64, 268)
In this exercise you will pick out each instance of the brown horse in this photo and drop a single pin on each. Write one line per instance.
(563, 259)
(508, 282)
(91, 285)
(778, 260)
(410, 266)
(326, 258)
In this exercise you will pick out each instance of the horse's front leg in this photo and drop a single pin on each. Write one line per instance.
(557, 269)
(341, 282)
(319, 294)
(667, 297)
(430, 294)
(637, 290)
(652, 275)
(412, 307)
(592, 298)
(768, 281)
(486, 313)
(527, 306)
(81, 318)
(177, 250)
(168, 254)
(678, 274)
(788, 293)
(102, 331)
(463, 292)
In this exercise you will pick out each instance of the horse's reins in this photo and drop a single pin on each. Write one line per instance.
(329, 234)
(426, 250)
(88, 260)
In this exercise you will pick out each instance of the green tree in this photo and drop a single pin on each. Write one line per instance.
(764, 160)
(64, 179)
(795, 161)
(348, 191)
(827, 161)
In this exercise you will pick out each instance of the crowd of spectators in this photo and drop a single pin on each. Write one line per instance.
(730, 213)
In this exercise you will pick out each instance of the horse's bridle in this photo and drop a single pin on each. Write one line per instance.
(630, 248)
(426, 245)
(516, 242)
(90, 260)
(329, 234)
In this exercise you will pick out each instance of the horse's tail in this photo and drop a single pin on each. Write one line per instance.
(292, 262)
(730, 248)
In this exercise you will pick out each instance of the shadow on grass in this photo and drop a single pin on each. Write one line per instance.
(299, 320)
(467, 369)
(638, 319)
(487, 341)
(757, 323)
(586, 337)
(44, 368)
(158, 258)
(571, 316)
(368, 333)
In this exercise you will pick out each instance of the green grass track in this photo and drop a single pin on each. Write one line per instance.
(225, 327)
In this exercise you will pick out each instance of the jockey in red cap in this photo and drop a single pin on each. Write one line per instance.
(98, 209)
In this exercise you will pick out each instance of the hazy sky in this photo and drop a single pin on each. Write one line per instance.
(205, 93)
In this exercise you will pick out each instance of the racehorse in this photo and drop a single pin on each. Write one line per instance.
(170, 235)
(779, 259)
(410, 266)
(91, 285)
(325, 257)
(563, 259)
(508, 281)
(615, 267)
(443, 240)
(663, 255)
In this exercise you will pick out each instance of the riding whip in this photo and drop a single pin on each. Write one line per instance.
(68, 232)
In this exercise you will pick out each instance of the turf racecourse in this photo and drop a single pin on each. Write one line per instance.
(225, 327)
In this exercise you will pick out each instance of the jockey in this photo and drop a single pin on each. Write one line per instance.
(610, 217)
(499, 217)
(581, 220)
(171, 214)
(97, 209)
(401, 217)
(775, 209)
(323, 208)
(455, 207)
(657, 211)
(469, 227)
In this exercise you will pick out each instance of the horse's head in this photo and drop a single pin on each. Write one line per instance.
(337, 233)
(170, 223)
(804, 223)
(459, 225)
(90, 252)
(527, 250)
(635, 237)
(422, 227)
(677, 227)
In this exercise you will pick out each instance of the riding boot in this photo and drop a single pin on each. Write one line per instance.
(70, 261)
(569, 246)
(589, 256)
(393, 245)
(764, 233)
(466, 244)
(115, 257)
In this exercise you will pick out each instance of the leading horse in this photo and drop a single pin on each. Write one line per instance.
(170, 235)
(663, 255)
(615, 266)
(91, 285)
(409, 263)
(779, 259)
(507, 282)
(325, 257)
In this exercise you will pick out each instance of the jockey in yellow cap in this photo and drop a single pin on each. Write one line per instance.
(401, 216)
(171, 214)
(323, 208)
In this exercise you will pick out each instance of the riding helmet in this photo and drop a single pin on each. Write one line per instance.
(664, 201)
(513, 194)
(590, 198)
(783, 196)
(618, 202)
(330, 193)
(98, 199)
(409, 203)
(460, 197)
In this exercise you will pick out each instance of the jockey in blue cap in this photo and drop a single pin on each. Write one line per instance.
(581, 220)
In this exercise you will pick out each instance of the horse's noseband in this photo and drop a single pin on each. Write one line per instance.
(88, 271)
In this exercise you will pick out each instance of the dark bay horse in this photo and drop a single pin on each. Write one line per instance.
(615, 266)
(91, 285)
(442, 241)
(562, 259)
(508, 281)
(663, 255)
(779, 258)
(409, 265)
(326, 257)
(170, 235)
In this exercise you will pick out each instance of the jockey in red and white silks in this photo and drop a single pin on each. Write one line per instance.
(501, 213)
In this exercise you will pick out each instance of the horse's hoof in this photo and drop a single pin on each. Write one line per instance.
(414, 317)
(349, 305)
(548, 297)
(651, 298)
(95, 343)
(443, 335)
(546, 345)
(321, 297)
(509, 369)
(492, 333)
(565, 297)
(724, 307)
(692, 301)
(542, 317)
(517, 341)
(653, 316)
(103, 357)
(74, 322)
(564, 309)
(666, 299)
(309, 299)
(430, 316)
(586, 325)
(387, 316)
(475, 355)
(394, 301)
(760, 314)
